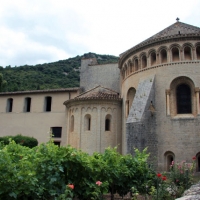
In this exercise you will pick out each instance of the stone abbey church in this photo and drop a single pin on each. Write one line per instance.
(150, 98)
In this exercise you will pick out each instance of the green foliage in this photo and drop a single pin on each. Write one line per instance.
(3, 83)
(45, 172)
(19, 139)
(60, 74)
(172, 185)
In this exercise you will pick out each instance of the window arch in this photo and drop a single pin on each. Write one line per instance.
(130, 96)
(136, 64)
(163, 56)
(130, 67)
(175, 54)
(108, 122)
(183, 99)
(169, 157)
(153, 58)
(9, 105)
(87, 122)
(198, 52)
(187, 53)
(144, 61)
(72, 123)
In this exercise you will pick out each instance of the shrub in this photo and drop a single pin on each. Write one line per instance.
(20, 139)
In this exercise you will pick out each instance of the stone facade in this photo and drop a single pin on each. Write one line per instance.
(150, 98)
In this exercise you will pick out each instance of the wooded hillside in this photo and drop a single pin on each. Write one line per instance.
(60, 74)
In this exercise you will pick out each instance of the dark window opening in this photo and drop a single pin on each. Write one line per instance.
(9, 105)
(89, 123)
(175, 54)
(27, 104)
(144, 62)
(187, 53)
(136, 64)
(198, 52)
(163, 56)
(169, 161)
(153, 58)
(48, 104)
(107, 125)
(183, 97)
(56, 131)
(57, 143)
(198, 164)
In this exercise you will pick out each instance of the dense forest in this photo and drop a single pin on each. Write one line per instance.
(60, 74)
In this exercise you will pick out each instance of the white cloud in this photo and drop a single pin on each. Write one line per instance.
(38, 31)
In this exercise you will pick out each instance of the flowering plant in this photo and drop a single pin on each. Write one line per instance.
(68, 195)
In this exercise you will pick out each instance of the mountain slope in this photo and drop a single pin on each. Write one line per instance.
(60, 74)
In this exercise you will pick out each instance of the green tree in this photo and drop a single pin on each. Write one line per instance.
(3, 83)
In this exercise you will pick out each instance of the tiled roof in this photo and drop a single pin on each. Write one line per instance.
(176, 30)
(97, 93)
(41, 91)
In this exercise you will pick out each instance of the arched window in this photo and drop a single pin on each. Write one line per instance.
(108, 123)
(72, 123)
(47, 104)
(130, 96)
(175, 54)
(198, 52)
(169, 157)
(9, 105)
(136, 64)
(87, 122)
(183, 99)
(131, 67)
(163, 56)
(153, 58)
(187, 53)
(144, 61)
(27, 106)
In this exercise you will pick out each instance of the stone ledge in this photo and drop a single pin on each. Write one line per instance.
(193, 193)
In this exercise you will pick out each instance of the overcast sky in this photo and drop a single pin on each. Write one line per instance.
(41, 31)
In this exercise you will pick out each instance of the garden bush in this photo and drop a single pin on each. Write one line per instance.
(46, 171)
(20, 139)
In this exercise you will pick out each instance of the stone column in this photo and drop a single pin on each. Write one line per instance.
(194, 55)
(169, 56)
(181, 56)
(197, 99)
(157, 59)
(167, 101)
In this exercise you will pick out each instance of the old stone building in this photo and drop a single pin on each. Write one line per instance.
(150, 98)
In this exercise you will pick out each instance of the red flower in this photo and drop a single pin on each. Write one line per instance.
(98, 183)
(164, 178)
(194, 158)
(159, 175)
(71, 186)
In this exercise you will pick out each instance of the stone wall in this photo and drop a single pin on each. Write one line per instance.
(97, 138)
(140, 125)
(92, 75)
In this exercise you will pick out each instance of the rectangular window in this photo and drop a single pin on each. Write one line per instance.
(56, 131)
(27, 104)
(57, 143)
(9, 105)
(48, 101)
